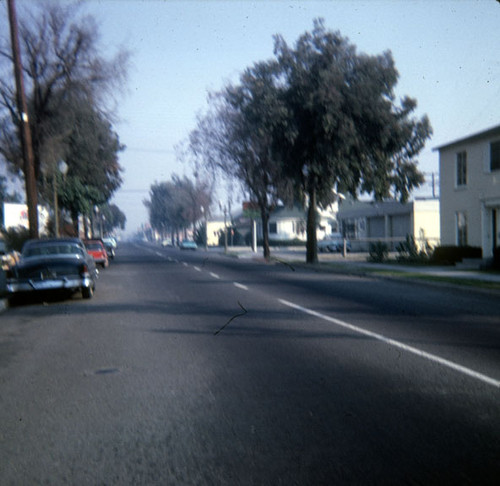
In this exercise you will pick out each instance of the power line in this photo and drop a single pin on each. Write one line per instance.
(151, 151)
(132, 190)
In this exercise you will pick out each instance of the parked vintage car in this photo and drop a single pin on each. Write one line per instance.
(58, 264)
(110, 240)
(334, 243)
(110, 245)
(188, 245)
(98, 251)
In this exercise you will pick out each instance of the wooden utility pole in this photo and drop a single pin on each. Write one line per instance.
(29, 169)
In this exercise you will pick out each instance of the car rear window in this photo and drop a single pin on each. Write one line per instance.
(60, 249)
(94, 246)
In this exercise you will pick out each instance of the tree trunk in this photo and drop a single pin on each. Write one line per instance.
(265, 233)
(312, 243)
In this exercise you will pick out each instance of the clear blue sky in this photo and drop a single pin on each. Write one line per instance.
(447, 54)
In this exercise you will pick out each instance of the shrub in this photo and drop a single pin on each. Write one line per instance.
(294, 242)
(15, 237)
(234, 237)
(379, 252)
(496, 258)
(409, 251)
(449, 255)
(282, 243)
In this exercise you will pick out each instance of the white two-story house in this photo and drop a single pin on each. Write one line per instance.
(470, 191)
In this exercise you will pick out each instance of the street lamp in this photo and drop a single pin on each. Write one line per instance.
(205, 217)
(94, 222)
(62, 167)
(224, 208)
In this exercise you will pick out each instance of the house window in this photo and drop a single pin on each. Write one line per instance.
(273, 228)
(495, 156)
(299, 227)
(461, 229)
(461, 169)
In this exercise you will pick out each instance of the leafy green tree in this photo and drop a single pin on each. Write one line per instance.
(112, 218)
(159, 204)
(94, 172)
(343, 131)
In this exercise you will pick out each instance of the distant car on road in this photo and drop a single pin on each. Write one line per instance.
(57, 264)
(98, 251)
(188, 245)
(334, 243)
(110, 240)
(110, 245)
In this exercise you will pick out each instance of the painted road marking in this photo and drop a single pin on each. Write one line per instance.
(214, 275)
(240, 286)
(397, 344)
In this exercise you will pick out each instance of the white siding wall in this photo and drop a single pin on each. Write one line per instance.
(475, 199)
(426, 220)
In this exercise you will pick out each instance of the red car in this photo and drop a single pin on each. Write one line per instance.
(98, 251)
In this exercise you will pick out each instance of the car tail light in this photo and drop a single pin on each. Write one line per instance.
(84, 271)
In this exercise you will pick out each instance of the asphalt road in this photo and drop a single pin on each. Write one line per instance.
(193, 368)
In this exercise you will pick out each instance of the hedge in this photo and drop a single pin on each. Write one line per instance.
(449, 255)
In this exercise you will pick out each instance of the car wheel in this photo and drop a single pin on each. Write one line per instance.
(13, 300)
(87, 292)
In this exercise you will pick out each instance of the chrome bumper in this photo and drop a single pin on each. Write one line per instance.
(32, 285)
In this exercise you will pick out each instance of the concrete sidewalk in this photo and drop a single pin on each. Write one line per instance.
(358, 261)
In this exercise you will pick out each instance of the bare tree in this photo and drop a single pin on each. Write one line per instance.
(62, 67)
(177, 204)
(236, 139)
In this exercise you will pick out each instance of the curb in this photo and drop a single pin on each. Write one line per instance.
(345, 269)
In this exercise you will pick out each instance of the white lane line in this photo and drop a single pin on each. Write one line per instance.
(240, 286)
(397, 344)
(185, 264)
(198, 269)
(214, 275)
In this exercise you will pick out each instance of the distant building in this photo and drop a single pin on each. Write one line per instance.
(286, 224)
(16, 215)
(389, 221)
(289, 224)
(470, 191)
(215, 230)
